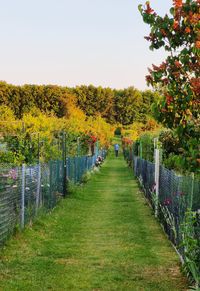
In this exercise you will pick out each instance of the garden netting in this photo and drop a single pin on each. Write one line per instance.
(26, 190)
(178, 205)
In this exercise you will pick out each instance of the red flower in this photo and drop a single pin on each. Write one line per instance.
(167, 201)
(93, 138)
(169, 99)
(178, 3)
(177, 64)
(148, 10)
(149, 79)
(187, 30)
(176, 25)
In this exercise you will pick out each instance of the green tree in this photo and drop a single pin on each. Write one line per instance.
(127, 105)
(148, 99)
(94, 100)
(124, 106)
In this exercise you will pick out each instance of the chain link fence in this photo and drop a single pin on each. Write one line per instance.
(26, 190)
(177, 203)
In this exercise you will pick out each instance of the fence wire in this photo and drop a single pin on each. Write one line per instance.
(178, 207)
(26, 190)
(10, 184)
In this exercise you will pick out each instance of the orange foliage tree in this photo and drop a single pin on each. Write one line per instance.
(179, 74)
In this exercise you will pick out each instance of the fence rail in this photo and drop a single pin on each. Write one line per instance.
(27, 189)
(175, 200)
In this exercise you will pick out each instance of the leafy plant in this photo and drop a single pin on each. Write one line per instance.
(179, 74)
(191, 246)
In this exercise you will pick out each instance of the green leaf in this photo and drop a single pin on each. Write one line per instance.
(172, 11)
(140, 8)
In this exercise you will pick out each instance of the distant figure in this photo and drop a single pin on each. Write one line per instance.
(116, 147)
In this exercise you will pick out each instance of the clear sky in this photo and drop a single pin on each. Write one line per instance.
(74, 42)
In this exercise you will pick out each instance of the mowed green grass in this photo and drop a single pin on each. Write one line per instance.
(103, 237)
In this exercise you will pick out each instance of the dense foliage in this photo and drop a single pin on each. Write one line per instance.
(173, 153)
(137, 129)
(179, 74)
(40, 136)
(122, 106)
(33, 118)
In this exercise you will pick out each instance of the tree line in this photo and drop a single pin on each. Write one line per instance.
(115, 106)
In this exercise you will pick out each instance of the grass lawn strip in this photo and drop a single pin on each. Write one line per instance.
(102, 237)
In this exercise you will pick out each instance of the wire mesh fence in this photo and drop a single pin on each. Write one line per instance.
(27, 189)
(177, 200)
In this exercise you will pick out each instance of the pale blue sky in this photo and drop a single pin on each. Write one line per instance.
(73, 42)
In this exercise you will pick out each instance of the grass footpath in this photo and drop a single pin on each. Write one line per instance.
(103, 237)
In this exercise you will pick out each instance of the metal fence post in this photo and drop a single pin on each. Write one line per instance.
(192, 191)
(157, 172)
(155, 142)
(64, 156)
(22, 196)
(50, 202)
(87, 165)
(78, 169)
(38, 189)
(97, 148)
(75, 171)
(141, 153)
(132, 152)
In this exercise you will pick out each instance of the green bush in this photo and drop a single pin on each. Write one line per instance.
(86, 177)
(181, 155)
(146, 145)
(118, 131)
